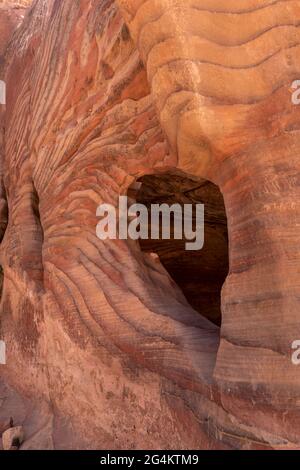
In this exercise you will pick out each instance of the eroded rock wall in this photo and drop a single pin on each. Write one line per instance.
(12, 14)
(99, 94)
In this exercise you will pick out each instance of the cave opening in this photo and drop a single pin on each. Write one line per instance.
(200, 274)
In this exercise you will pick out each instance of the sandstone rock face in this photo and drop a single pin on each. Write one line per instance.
(12, 14)
(99, 338)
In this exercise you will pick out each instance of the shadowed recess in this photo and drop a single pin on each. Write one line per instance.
(200, 274)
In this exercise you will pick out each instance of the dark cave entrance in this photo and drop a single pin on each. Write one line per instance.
(199, 274)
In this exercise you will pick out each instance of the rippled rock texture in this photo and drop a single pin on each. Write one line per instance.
(12, 15)
(100, 339)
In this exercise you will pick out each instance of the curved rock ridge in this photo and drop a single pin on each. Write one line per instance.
(101, 93)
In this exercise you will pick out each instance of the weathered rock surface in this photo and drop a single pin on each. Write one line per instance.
(11, 14)
(101, 93)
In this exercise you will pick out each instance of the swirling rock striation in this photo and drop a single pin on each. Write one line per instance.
(101, 93)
